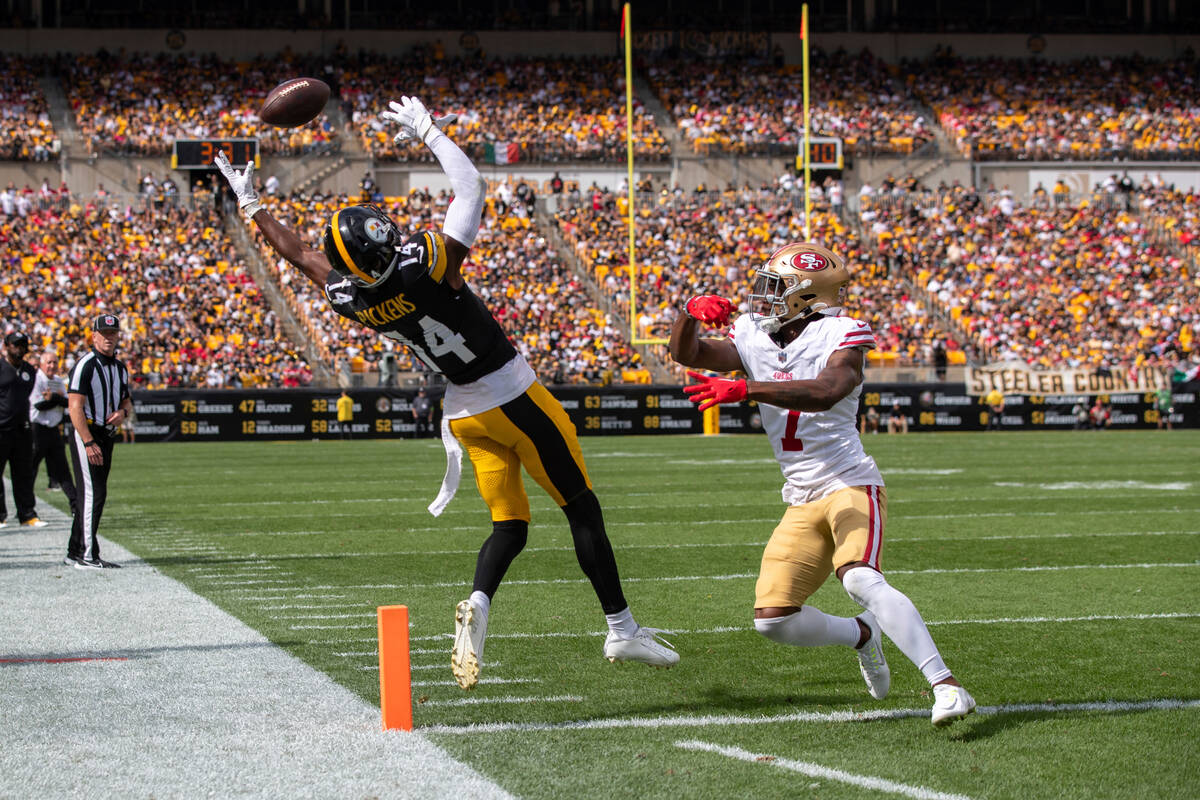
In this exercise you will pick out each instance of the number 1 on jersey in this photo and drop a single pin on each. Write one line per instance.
(791, 443)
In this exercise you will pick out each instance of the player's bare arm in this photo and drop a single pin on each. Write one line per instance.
(842, 373)
(686, 346)
(312, 263)
(463, 216)
(288, 244)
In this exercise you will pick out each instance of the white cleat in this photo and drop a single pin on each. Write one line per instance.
(470, 627)
(646, 646)
(871, 661)
(950, 703)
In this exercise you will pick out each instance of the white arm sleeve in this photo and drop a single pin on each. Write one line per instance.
(462, 218)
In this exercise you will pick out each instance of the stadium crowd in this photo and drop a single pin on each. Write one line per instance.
(754, 106)
(26, 133)
(512, 267)
(508, 110)
(1080, 284)
(710, 242)
(1037, 110)
(193, 317)
(138, 104)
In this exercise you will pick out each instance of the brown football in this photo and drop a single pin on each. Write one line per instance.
(294, 102)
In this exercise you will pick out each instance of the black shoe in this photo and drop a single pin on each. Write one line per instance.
(70, 561)
(54, 485)
(108, 564)
(82, 563)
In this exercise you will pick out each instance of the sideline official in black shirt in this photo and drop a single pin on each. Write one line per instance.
(16, 439)
(98, 401)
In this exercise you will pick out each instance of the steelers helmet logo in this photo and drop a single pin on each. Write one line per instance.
(810, 262)
(376, 230)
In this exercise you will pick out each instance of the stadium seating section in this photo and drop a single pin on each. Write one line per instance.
(138, 105)
(1105, 279)
(514, 110)
(192, 316)
(512, 267)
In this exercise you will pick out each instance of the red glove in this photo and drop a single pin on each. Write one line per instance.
(709, 309)
(713, 391)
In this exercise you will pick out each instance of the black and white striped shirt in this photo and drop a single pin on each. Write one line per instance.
(104, 383)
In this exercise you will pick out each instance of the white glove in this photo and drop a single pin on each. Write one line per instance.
(414, 119)
(242, 184)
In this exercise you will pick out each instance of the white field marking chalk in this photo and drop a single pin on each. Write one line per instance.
(481, 680)
(749, 628)
(737, 576)
(716, 720)
(1098, 486)
(1115, 511)
(698, 545)
(479, 701)
(826, 773)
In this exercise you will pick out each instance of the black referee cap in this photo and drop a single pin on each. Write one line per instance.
(106, 322)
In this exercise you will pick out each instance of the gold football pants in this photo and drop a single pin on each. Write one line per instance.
(815, 538)
(531, 431)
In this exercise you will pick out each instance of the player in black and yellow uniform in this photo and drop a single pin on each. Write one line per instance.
(413, 291)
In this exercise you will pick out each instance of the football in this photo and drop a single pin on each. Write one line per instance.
(294, 102)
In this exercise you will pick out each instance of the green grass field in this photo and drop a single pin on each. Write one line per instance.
(1054, 569)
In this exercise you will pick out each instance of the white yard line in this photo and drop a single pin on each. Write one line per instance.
(726, 720)
(826, 773)
(737, 576)
(122, 683)
(689, 546)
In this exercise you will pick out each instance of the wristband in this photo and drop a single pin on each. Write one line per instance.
(89, 444)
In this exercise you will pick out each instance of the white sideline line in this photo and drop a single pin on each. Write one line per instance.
(827, 773)
(1108, 707)
(747, 575)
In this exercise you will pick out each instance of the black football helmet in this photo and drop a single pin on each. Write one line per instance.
(362, 244)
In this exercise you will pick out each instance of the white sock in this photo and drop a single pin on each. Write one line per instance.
(810, 627)
(622, 623)
(480, 601)
(898, 618)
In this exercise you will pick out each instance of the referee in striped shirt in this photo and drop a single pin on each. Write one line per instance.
(98, 401)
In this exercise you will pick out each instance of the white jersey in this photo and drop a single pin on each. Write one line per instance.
(818, 451)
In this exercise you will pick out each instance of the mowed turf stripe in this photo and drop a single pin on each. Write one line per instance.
(437, 637)
(880, 715)
(817, 771)
(256, 556)
(730, 577)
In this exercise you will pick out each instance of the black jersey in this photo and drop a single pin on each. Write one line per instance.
(451, 330)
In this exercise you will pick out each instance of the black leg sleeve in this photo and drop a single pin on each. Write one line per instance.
(594, 551)
(507, 540)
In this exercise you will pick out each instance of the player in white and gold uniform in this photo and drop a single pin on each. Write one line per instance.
(803, 361)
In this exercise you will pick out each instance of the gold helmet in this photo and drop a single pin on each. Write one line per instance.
(798, 281)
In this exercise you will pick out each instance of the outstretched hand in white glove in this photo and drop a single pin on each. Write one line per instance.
(414, 119)
(242, 184)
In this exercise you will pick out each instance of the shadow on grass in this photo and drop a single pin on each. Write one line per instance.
(127, 654)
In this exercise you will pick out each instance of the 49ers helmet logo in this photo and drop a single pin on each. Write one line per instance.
(810, 262)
